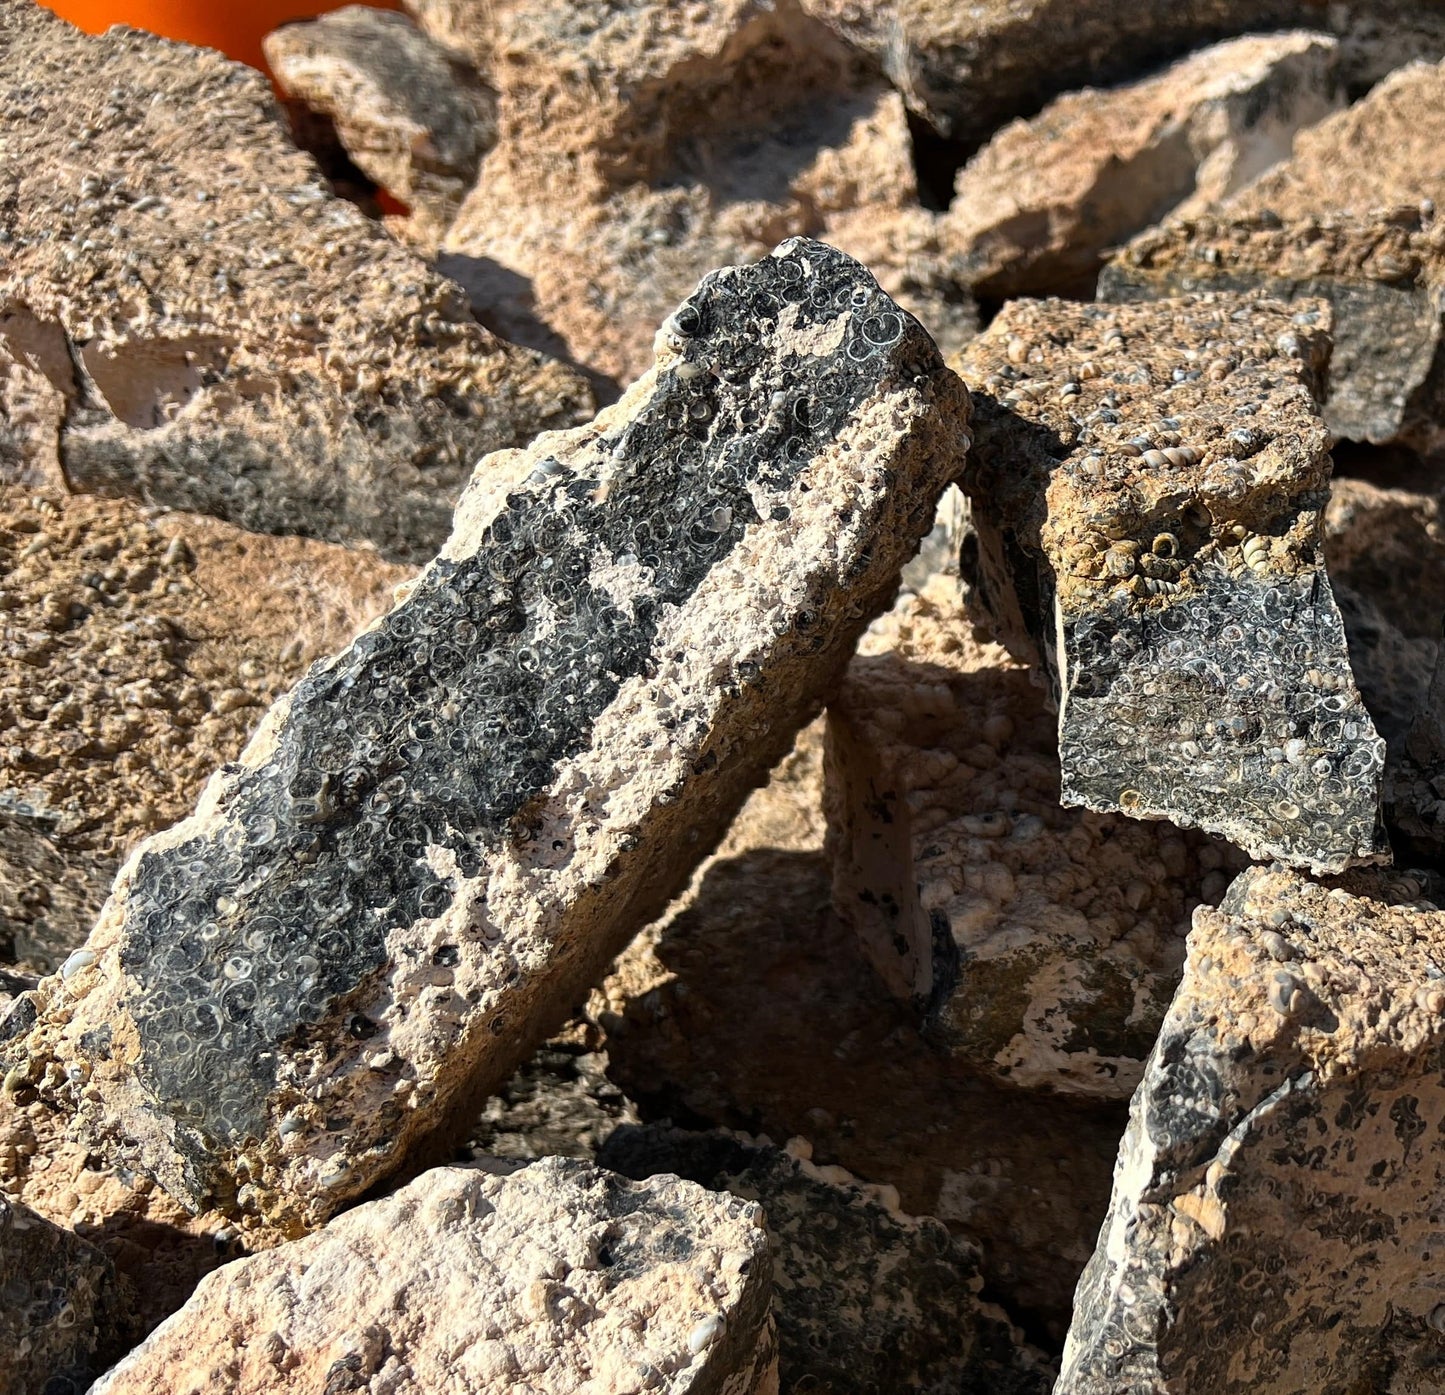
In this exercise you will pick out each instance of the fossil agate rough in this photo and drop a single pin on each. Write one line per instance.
(1275, 1223)
(1147, 490)
(557, 1279)
(440, 838)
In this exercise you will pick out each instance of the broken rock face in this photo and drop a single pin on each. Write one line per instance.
(1041, 944)
(1147, 493)
(559, 1278)
(1275, 1218)
(439, 839)
(226, 336)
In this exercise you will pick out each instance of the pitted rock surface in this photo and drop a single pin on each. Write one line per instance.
(58, 1305)
(558, 1279)
(226, 335)
(440, 837)
(1275, 1218)
(415, 121)
(1039, 944)
(866, 1298)
(1147, 493)
(1035, 210)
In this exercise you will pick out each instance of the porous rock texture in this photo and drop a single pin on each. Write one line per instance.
(1147, 492)
(558, 1278)
(641, 144)
(1035, 210)
(1349, 218)
(57, 1306)
(1039, 944)
(138, 650)
(1275, 1217)
(751, 1005)
(865, 1297)
(225, 334)
(414, 120)
(440, 837)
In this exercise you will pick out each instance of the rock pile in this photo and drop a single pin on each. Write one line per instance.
(391, 918)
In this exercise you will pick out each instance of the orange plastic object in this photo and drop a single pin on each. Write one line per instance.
(236, 27)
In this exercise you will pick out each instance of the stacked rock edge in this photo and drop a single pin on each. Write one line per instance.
(1146, 494)
(1275, 1217)
(435, 844)
(1041, 944)
(226, 335)
(558, 1278)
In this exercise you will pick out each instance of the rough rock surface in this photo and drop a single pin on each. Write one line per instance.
(641, 144)
(1041, 944)
(57, 1296)
(440, 837)
(557, 1278)
(137, 652)
(1275, 1218)
(1147, 494)
(1036, 208)
(413, 120)
(225, 335)
(750, 1005)
(865, 1297)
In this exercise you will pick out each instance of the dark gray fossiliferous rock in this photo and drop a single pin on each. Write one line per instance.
(1275, 1219)
(865, 1298)
(440, 837)
(57, 1297)
(1147, 492)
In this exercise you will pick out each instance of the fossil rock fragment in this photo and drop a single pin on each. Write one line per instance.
(1041, 944)
(1147, 492)
(866, 1297)
(227, 336)
(557, 1278)
(441, 836)
(415, 122)
(1275, 1218)
(1036, 208)
(57, 1305)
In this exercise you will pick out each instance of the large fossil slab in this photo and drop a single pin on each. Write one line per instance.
(1147, 491)
(442, 836)
(1275, 1222)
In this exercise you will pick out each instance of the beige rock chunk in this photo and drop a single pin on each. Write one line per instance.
(415, 122)
(558, 1278)
(1040, 944)
(1147, 491)
(1036, 209)
(1275, 1217)
(226, 335)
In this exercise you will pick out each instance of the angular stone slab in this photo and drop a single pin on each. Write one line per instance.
(442, 836)
(1147, 492)
(58, 1305)
(1040, 945)
(560, 1278)
(1275, 1222)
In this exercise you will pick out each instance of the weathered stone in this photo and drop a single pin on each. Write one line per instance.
(751, 1005)
(1037, 943)
(439, 839)
(866, 1297)
(31, 414)
(1147, 494)
(642, 143)
(1350, 219)
(1275, 1218)
(1036, 209)
(414, 121)
(226, 335)
(558, 1278)
(57, 1302)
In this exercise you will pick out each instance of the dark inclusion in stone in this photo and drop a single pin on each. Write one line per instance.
(437, 727)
